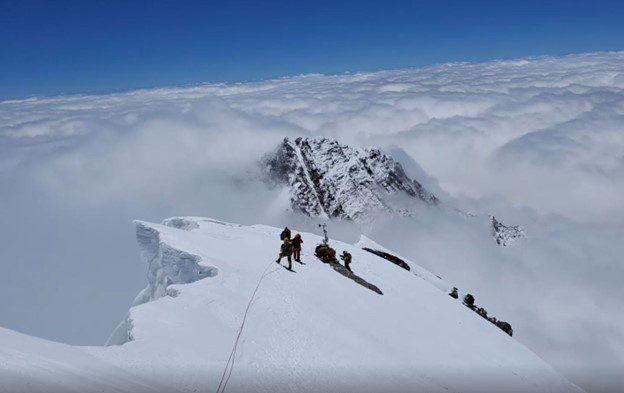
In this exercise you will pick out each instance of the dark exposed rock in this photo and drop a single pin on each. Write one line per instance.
(392, 258)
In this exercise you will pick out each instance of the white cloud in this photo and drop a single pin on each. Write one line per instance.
(539, 141)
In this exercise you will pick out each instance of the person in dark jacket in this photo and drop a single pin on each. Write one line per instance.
(285, 233)
(285, 251)
(469, 302)
(505, 327)
(346, 257)
(296, 247)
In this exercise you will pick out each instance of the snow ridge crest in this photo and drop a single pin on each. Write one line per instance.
(167, 266)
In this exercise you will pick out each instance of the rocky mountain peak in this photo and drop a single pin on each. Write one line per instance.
(505, 235)
(330, 180)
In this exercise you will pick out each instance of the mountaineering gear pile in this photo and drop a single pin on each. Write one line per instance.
(325, 253)
(296, 247)
(285, 251)
(285, 234)
(346, 257)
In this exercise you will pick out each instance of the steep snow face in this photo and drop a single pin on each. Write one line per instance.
(33, 365)
(255, 326)
(330, 180)
(166, 266)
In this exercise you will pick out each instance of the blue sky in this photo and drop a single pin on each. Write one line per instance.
(54, 47)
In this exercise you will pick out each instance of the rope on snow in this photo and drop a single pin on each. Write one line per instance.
(229, 366)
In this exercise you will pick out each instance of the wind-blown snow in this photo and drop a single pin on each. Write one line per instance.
(313, 329)
(536, 142)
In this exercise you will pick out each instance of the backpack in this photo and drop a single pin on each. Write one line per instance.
(286, 248)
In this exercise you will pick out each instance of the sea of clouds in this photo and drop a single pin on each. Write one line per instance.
(538, 142)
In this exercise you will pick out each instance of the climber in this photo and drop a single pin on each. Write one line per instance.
(285, 251)
(285, 233)
(469, 301)
(505, 327)
(296, 247)
(346, 257)
(453, 293)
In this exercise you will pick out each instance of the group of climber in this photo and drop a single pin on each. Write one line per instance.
(292, 247)
(469, 301)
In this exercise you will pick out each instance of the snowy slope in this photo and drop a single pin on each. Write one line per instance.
(311, 330)
(29, 364)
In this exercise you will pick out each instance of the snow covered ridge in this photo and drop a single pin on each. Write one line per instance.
(252, 325)
(330, 180)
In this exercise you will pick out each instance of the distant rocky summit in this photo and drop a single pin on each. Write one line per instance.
(330, 180)
(503, 234)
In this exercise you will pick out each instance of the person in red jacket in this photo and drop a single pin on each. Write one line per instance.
(296, 247)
